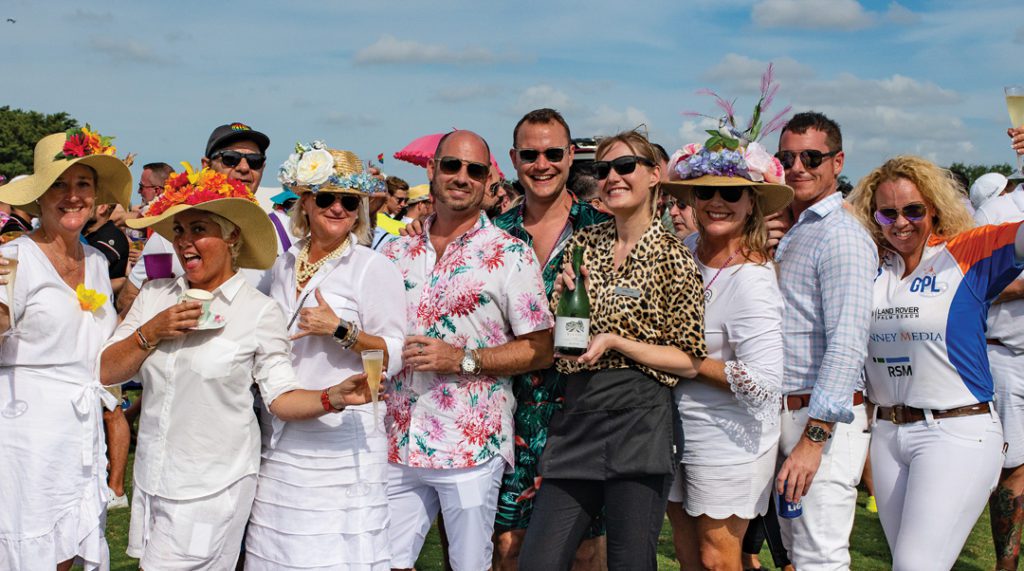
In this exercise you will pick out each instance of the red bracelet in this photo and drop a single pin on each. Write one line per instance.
(326, 401)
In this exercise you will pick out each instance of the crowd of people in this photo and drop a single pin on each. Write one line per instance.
(754, 338)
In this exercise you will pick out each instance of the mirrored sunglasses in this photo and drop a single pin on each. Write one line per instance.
(810, 158)
(912, 212)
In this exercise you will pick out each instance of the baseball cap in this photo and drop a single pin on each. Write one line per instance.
(985, 187)
(226, 134)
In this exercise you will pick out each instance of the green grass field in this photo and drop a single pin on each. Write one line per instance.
(869, 550)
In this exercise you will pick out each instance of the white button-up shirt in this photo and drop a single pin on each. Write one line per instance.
(198, 433)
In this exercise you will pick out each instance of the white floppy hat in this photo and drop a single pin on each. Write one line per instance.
(987, 186)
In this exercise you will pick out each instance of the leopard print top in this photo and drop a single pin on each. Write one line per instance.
(656, 296)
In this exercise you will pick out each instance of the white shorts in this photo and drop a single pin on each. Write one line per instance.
(932, 481)
(720, 492)
(204, 533)
(468, 498)
(1008, 377)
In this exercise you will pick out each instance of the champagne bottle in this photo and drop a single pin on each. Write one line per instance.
(572, 318)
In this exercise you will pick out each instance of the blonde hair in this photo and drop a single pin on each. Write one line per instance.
(754, 241)
(227, 228)
(937, 185)
(362, 229)
(640, 146)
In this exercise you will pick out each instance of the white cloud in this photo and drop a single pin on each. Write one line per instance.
(743, 72)
(537, 96)
(605, 120)
(811, 14)
(848, 89)
(466, 93)
(900, 14)
(127, 50)
(391, 50)
(694, 131)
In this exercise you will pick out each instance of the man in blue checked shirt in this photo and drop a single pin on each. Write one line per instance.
(827, 263)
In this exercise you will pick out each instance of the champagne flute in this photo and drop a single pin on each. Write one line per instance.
(1015, 105)
(373, 365)
(15, 407)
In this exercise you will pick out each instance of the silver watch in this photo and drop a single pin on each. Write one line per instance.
(470, 365)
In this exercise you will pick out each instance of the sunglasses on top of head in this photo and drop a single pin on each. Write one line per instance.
(728, 193)
(810, 158)
(622, 165)
(349, 202)
(452, 165)
(232, 159)
(912, 212)
(552, 154)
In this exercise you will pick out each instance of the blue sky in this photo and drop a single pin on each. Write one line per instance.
(911, 77)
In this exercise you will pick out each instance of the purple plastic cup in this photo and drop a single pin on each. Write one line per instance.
(158, 266)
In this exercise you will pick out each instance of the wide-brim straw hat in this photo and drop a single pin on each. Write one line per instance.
(114, 180)
(259, 238)
(419, 193)
(770, 196)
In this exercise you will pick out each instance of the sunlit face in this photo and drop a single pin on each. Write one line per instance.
(682, 218)
(906, 237)
(328, 225)
(621, 194)
(149, 187)
(810, 184)
(542, 178)
(70, 199)
(202, 250)
(458, 192)
(397, 201)
(242, 171)
(720, 218)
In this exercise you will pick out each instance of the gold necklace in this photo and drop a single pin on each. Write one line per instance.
(304, 269)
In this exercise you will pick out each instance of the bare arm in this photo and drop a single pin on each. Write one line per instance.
(528, 352)
(126, 296)
(661, 357)
(121, 360)
(301, 404)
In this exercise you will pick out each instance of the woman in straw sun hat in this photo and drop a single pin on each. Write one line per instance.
(321, 501)
(52, 457)
(730, 415)
(198, 343)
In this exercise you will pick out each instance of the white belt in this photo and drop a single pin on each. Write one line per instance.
(85, 406)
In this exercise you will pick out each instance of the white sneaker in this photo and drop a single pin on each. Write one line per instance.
(117, 502)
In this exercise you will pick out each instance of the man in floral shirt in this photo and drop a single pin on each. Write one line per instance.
(545, 220)
(478, 314)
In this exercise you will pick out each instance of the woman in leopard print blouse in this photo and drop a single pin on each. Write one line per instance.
(612, 445)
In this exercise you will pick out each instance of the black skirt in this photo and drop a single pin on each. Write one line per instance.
(616, 423)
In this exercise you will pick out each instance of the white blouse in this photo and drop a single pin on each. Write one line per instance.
(742, 327)
(198, 433)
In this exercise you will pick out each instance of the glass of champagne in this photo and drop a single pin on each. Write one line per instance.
(15, 407)
(1015, 105)
(373, 365)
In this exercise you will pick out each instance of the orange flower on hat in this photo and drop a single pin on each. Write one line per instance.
(196, 187)
(83, 141)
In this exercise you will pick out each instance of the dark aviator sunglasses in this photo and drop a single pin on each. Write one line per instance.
(912, 212)
(810, 158)
(452, 165)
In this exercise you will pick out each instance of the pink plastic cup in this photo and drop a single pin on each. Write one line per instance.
(158, 266)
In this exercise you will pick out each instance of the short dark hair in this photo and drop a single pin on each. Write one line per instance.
(395, 184)
(801, 122)
(661, 152)
(161, 170)
(542, 116)
(441, 142)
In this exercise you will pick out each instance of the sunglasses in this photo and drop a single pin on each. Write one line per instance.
(912, 212)
(349, 202)
(728, 193)
(232, 159)
(622, 165)
(552, 154)
(810, 158)
(452, 165)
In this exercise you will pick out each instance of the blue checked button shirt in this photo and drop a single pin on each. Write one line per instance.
(827, 263)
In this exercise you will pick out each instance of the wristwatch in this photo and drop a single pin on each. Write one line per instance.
(342, 331)
(816, 433)
(470, 363)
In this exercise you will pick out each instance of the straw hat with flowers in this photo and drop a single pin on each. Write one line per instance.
(56, 153)
(731, 157)
(315, 168)
(214, 192)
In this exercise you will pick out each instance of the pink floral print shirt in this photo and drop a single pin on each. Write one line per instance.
(484, 291)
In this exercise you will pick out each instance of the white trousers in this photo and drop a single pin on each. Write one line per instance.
(932, 481)
(468, 499)
(1008, 378)
(819, 540)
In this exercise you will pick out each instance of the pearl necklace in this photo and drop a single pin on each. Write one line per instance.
(304, 270)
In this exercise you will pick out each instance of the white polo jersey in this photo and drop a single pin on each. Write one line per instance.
(926, 346)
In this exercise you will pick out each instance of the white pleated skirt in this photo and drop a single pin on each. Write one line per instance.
(321, 499)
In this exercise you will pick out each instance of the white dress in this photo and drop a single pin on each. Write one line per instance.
(52, 458)
(321, 499)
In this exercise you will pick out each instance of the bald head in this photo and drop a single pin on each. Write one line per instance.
(458, 135)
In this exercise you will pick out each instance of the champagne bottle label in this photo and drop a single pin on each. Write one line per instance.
(572, 332)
